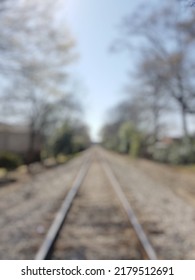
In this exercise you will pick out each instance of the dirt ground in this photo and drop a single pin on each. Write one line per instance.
(28, 207)
(97, 227)
(163, 198)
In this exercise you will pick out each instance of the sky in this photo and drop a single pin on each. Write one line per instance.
(95, 25)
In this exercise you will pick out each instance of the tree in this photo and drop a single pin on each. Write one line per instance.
(38, 52)
(109, 135)
(71, 137)
(171, 58)
(153, 93)
(125, 131)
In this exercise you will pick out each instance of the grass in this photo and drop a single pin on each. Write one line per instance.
(61, 159)
(3, 172)
(22, 169)
(49, 162)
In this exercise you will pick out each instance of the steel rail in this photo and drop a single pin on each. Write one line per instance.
(149, 250)
(47, 245)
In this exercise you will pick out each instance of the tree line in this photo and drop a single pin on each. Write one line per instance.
(161, 38)
(37, 90)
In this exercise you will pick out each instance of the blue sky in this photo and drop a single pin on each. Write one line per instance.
(94, 25)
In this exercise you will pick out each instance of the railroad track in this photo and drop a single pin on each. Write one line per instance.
(96, 220)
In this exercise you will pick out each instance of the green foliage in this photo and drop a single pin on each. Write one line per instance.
(176, 153)
(125, 132)
(160, 155)
(136, 144)
(61, 158)
(110, 139)
(70, 139)
(10, 160)
(124, 138)
(63, 141)
(130, 139)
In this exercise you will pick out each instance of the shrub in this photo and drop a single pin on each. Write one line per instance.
(160, 155)
(10, 160)
(175, 154)
(136, 145)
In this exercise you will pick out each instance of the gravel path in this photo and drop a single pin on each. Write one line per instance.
(27, 209)
(162, 197)
(97, 227)
(163, 201)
